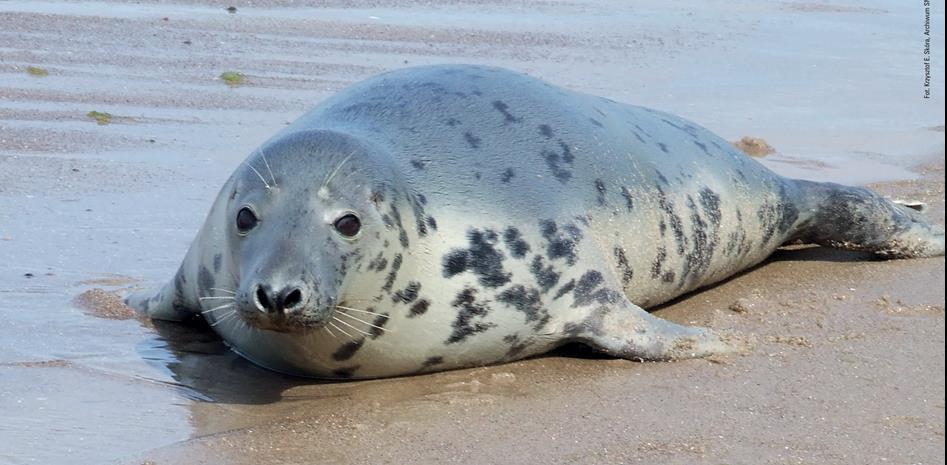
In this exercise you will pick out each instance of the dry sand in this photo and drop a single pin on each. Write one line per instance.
(848, 366)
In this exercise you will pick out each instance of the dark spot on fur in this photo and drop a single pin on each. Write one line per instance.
(432, 361)
(347, 350)
(218, 259)
(705, 228)
(514, 241)
(179, 282)
(702, 147)
(546, 131)
(508, 175)
(526, 301)
(408, 294)
(596, 122)
(452, 122)
(205, 280)
(561, 244)
(482, 258)
(587, 290)
(403, 238)
(432, 223)
(629, 201)
(469, 310)
(517, 346)
(600, 190)
(710, 202)
(567, 155)
(419, 308)
(638, 136)
(377, 196)
(417, 202)
(565, 289)
(658, 262)
(663, 147)
(546, 275)
(378, 324)
(675, 221)
(418, 164)
(503, 108)
(554, 160)
(455, 262)
(688, 128)
(788, 214)
(472, 140)
(627, 274)
(592, 324)
(344, 260)
(393, 274)
(378, 263)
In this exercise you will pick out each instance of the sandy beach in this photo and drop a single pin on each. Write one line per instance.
(117, 130)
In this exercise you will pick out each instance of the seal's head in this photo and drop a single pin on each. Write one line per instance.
(300, 215)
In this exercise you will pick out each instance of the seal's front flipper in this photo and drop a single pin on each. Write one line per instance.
(915, 205)
(169, 303)
(854, 218)
(627, 331)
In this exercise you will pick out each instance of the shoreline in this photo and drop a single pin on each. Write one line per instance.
(849, 361)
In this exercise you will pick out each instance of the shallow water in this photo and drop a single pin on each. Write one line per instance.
(836, 90)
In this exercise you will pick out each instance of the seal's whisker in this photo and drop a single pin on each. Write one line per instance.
(340, 329)
(336, 170)
(224, 297)
(222, 290)
(329, 331)
(363, 321)
(263, 156)
(217, 308)
(268, 187)
(224, 318)
(350, 326)
(361, 311)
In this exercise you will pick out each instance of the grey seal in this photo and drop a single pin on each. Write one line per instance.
(451, 216)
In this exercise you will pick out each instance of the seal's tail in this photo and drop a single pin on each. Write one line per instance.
(855, 218)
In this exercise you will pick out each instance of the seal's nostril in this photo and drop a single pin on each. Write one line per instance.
(292, 299)
(263, 299)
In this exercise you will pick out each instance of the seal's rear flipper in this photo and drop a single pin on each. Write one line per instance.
(854, 218)
(627, 331)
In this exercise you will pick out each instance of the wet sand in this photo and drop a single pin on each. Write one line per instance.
(848, 365)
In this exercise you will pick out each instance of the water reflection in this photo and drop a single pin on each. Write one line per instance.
(204, 369)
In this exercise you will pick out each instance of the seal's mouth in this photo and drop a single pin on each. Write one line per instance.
(303, 320)
(287, 311)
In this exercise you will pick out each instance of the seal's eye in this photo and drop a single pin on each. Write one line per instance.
(246, 220)
(348, 225)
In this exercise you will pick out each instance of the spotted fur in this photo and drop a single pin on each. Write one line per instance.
(500, 217)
